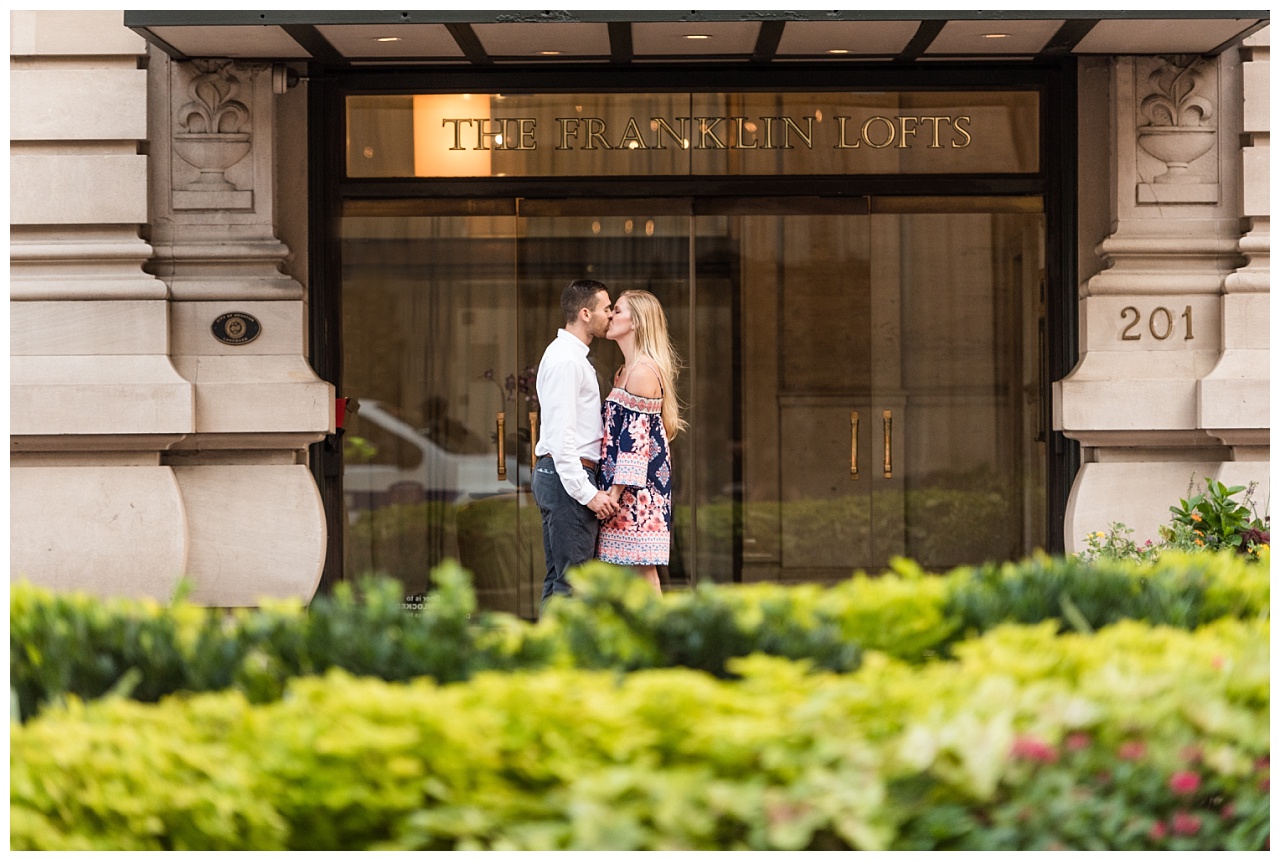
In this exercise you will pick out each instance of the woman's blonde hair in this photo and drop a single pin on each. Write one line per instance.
(654, 343)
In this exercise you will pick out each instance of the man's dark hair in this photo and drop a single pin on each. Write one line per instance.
(578, 295)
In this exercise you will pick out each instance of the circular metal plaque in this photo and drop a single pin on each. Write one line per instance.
(236, 328)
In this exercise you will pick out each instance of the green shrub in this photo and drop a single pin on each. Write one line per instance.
(72, 645)
(1178, 590)
(940, 755)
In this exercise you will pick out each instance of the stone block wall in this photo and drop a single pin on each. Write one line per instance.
(143, 449)
(1172, 385)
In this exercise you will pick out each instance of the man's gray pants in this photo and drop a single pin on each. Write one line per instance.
(569, 528)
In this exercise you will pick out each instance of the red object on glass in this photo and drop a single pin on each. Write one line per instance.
(340, 412)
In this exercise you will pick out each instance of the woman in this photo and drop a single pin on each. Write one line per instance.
(641, 417)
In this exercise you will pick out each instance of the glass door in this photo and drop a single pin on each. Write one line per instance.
(430, 470)
(784, 375)
(869, 377)
(863, 379)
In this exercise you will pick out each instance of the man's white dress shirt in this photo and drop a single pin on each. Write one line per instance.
(572, 425)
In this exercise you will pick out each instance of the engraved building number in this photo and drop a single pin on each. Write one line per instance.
(1161, 323)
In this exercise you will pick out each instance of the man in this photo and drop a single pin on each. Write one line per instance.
(566, 473)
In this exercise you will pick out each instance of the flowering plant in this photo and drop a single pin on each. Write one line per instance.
(1216, 521)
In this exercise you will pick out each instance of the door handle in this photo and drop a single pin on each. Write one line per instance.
(502, 446)
(533, 440)
(888, 443)
(853, 445)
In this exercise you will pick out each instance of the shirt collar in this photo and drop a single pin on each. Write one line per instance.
(573, 339)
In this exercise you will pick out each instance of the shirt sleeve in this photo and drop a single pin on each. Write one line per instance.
(632, 469)
(559, 399)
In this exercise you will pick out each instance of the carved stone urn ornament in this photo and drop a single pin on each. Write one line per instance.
(213, 140)
(1176, 132)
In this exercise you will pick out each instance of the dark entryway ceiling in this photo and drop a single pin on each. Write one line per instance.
(488, 38)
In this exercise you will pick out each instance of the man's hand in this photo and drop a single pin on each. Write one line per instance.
(602, 505)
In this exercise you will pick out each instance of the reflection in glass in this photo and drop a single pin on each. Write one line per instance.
(803, 322)
(429, 349)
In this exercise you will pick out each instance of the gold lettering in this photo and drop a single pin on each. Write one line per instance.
(527, 125)
(457, 133)
(768, 132)
(660, 125)
(842, 141)
(789, 125)
(595, 132)
(566, 129)
(968, 138)
(934, 120)
(739, 141)
(903, 131)
(481, 134)
(631, 137)
(708, 131)
(893, 131)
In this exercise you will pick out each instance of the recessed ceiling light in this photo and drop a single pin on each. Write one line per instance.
(995, 35)
(549, 53)
(838, 51)
(387, 39)
(697, 36)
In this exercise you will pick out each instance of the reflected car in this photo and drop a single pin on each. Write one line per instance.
(389, 461)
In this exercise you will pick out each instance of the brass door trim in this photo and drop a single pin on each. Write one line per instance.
(502, 446)
(888, 443)
(853, 445)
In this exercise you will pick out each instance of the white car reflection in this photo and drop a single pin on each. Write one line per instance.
(403, 464)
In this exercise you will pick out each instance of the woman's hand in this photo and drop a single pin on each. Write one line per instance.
(615, 492)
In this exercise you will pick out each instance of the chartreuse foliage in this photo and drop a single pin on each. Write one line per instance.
(71, 645)
(1133, 737)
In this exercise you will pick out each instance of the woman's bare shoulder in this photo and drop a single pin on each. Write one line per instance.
(643, 381)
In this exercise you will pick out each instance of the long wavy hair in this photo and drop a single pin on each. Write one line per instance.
(654, 343)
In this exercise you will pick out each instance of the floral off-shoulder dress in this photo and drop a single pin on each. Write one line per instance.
(635, 453)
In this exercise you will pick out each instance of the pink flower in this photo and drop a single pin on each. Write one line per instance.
(1158, 831)
(1185, 824)
(1192, 753)
(1262, 762)
(1228, 810)
(1027, 747)
(1184, 782)
(1132, 750)
(1077, 741)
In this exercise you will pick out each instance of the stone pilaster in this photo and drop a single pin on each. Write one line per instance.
(237, 333)
(1235, 395)
(1156, 321)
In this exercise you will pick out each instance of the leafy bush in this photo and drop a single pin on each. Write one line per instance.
(1179, 590)
(979, 752)
(72, 645)
(75, 645)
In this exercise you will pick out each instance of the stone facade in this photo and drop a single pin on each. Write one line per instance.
(145, 208)
(1172, 385)
(142, 448)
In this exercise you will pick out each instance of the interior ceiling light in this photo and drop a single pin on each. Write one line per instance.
(697, 36)
(549, 53)
(838, 51)
(387, 39)
(995, 35)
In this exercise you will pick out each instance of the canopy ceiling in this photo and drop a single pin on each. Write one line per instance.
(489, 38)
